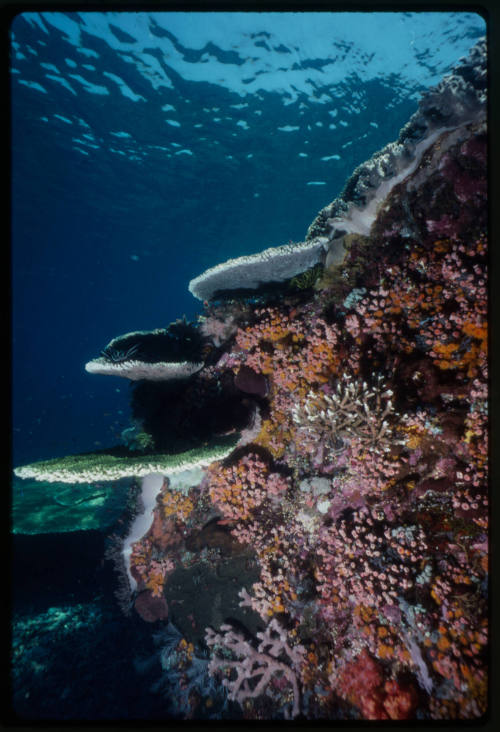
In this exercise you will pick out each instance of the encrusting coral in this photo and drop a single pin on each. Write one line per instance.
(355, 501)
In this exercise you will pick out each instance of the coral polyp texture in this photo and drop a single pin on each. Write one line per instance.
(339, 542)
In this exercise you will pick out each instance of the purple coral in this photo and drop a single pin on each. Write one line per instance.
(254, 671)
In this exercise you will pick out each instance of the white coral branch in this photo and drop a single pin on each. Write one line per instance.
(351, 410)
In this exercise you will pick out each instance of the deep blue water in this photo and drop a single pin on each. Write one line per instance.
(146, 148)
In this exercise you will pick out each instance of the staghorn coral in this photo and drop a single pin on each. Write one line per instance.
(353, 409)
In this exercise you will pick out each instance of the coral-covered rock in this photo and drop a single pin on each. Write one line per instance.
(400, 700)
(352, 519)
(151, 608)
(251, 382)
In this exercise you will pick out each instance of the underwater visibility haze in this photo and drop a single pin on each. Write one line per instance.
(249, 365)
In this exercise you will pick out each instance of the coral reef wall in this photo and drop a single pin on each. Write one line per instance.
(358, 495)
(329, 558)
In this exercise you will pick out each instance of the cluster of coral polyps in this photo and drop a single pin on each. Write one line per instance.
(361, 485)
(372, 545)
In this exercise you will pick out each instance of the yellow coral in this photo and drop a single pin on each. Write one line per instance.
(176, 503)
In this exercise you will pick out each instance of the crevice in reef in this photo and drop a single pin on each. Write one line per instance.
(179, 417)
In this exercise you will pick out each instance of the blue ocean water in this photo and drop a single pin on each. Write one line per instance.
(147, 147)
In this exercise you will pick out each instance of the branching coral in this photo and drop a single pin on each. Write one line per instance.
(352, 409)
(255, 672)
